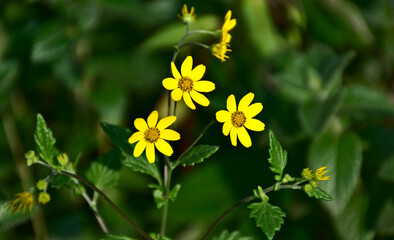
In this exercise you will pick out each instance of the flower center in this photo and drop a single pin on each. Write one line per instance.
(151, 134)
(26, 199)
(238, 119)
(185, 84)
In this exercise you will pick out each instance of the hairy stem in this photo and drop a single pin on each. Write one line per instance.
(93, 206)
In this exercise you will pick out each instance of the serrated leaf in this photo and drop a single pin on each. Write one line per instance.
(198, 154)
(320, 194)
(268, 217)
(104, 172)
(119, 137)
(45, 141)
(117, 237)
(226, 235)
(278, 156)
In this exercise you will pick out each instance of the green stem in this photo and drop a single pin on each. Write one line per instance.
(194, 43)
(93, 206)
(167, 184)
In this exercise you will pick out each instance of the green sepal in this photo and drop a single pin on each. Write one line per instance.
(319, 194)
(198, 154)
(45, 141)
(278, 157)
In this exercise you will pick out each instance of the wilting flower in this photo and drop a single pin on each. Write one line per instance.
(153, 134)
(44, 198)
(236, 120)
(23, 200)
(319, 174)
(188, 85)
(186, 16)
(220, 49)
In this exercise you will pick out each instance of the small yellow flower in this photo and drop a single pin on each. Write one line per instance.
(229, 23)
(186, 16)
(307, 173)
(152, 134)
(319, 174)
(44, 198)
(220, 50)
(24, 199)
(42, 185)
(188, 85)
(236, 120)
(63, 159)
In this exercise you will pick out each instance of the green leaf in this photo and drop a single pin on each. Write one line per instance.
(320, 194)
(386, 172)
(226, 235)
(117, 237)
(343, 156)
(174, 192)
(198, 154)
(45, 141)
(268, 217)
(158, 194)
(104, 172)
(59, 181)
(119, 137)
(278, 156)
(157, 237)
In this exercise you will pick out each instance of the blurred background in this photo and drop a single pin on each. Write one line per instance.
(322, 69)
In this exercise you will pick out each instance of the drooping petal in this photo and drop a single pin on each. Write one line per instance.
(139, 148)
(165, 122)
(186, 67)
(169, 134)
(136, 137)
(175, 71)
(231, 104)
(253, 110)
(204, 86)
(244, 137)
(223, 116)
(170, 83)
(164, 147)
(152, 118)
(140, 124)
(176, 94)
(226, 128)
(197, 73)
(188, 100)
(254, 124)
(150, 152)
(245, 102)
(233, 136)
(199, 98)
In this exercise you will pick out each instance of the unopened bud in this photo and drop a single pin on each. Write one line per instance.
(42, 185)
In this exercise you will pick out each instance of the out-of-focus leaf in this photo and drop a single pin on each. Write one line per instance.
(385, 226)
(59, 181)
(104, 172)
(268, 217)
(320, 194)
(8, 73)
(342, 155)
(45, 141)
(9, 220)
(198, 154)
(278, 156)
(119, 137)
(387, 170)
(226, 235)
(117, 237)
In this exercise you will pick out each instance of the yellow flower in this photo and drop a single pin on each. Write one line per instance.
(186, 16)
(152, 134)
(220, 50)
(24, 199)
(307, 173)
(44, 198)
(319, 174)
(188, 85)
(229, 23)
(236, 120)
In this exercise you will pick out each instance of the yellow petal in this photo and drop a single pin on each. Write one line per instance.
(197, 73)
(136, 137)
(204, 86)
(228, 15)
(226, 128)
(244, 137)
(164, 147)
(176, 94)
(186, 67)
(199, 98)
(165, 122)
(170, 83)
(169, 134)
(188, 100)
(245, 102)
(150, 152)
(139, 148)
(254, 124)
(140, 124)
(175, 71)
(152, 118)
(253, 110)
(231, 104)
(233, 136)
(223, 116)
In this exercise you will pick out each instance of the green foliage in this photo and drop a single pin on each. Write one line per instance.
(104, 172)
(319, 194)
(119, 137)
(278, 156)
(226, 235)
(198, 154)
(45, 141)
(387, 170)
(158, 194)
(9, 220)
(117, 237)
(268, 217)
(59, 181)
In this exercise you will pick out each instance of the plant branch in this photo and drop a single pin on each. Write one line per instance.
(93, 206)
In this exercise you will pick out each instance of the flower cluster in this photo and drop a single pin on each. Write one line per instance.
(314, 177)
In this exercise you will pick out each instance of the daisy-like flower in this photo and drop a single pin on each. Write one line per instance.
(319, 174)
(188, 85)
(220, 49)
(152, 134)
(236, 120)
(23, 199)
(186, 16)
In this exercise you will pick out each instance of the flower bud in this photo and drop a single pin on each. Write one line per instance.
(62, 159)
(307, 173)
(44, 198)
(308, 188)
(314, 183)
(42, 185)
